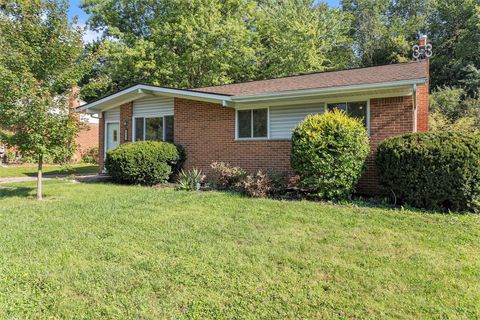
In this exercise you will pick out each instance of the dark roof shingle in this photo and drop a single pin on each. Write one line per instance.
(328, 79)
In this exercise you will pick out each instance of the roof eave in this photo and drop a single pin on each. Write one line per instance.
(330, 90)
(140, 91)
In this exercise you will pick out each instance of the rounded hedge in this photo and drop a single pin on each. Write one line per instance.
(329, 152)
(146, 163)
(434, 170)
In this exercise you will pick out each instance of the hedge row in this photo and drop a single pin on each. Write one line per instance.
(435, 170)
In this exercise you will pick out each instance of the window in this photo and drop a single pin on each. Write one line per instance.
(168, 120)
(252, 123)
(156, 129)
(139, 124)
(353, 109)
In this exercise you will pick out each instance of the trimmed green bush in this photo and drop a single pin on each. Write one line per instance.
(434, 170)
(329, 152)
(145, 163)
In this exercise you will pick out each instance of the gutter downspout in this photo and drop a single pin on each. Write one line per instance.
(415, 117)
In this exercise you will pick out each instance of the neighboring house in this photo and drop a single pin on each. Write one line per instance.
(87, 138)
(250, 124)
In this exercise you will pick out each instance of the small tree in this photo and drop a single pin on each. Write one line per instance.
(329, 152)
(40, 60)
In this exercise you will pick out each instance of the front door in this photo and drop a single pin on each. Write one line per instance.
(113, 135)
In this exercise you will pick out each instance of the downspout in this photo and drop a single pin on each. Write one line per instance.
(415, 108)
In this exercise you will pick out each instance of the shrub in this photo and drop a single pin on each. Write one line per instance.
(11, 156)
(329, 152)
(255, 185)
(224, 176)
(435, 170)
(263, 185)
(190, 180)
(90, 156)
(146, 163)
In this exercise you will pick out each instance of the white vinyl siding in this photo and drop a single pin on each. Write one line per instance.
(153, 107)
(112, 115)
(283, 119)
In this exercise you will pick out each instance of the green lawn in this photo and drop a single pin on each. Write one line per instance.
(104, 251)
(31, 170)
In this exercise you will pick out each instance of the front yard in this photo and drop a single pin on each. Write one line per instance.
(106, 251)
(30, 170)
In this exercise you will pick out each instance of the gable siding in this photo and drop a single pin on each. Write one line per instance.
(283, 119)
(112, 115)
(153, 107)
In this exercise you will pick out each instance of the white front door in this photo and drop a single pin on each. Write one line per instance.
(113, 135)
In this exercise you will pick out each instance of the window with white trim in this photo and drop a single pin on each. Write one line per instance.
(252, 123)
(154, 128)
(357, 109)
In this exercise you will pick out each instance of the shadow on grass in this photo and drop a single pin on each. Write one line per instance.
(63, 171)
(23, 192)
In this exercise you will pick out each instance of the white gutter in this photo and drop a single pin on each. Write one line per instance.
(317, 91)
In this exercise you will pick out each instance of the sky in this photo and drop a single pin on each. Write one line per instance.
(91, 35)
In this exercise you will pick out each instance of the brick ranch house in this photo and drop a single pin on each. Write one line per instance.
(249, 124)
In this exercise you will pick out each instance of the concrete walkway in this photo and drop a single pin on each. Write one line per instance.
(87, 177)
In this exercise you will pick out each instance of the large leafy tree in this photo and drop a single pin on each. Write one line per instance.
(172, 42)
(454, 26)
(385, 30)
(301, 36)
(39, 63)
(186, 43)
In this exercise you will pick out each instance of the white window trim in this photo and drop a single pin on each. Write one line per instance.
(339, 100)
(134, 131)
(252, 138)
(105, 136)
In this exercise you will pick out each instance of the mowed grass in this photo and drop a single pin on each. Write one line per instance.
(92, 251)
(31, 170)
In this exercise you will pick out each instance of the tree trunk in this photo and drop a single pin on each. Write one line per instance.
(39, 177)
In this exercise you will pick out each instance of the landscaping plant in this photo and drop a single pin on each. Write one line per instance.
(329, 152)
(263, 184)
(190, 180)
(434, 170)
(90, 156)
(224, 176)
(145, 163)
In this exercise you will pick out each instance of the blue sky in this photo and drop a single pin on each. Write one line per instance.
(90, 35)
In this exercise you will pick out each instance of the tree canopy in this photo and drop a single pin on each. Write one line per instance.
(185, 43)
(40, 61)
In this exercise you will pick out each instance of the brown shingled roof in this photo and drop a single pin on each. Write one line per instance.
(385, 73)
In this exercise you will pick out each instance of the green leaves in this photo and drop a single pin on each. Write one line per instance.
(40, 61)
(437, 170)
(328, 152)
(146, 162)
(182, 43)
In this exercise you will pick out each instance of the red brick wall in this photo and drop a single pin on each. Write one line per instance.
(207, 132)
(86, 140)
(388, 117)
(126, 114)
(423, 104)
